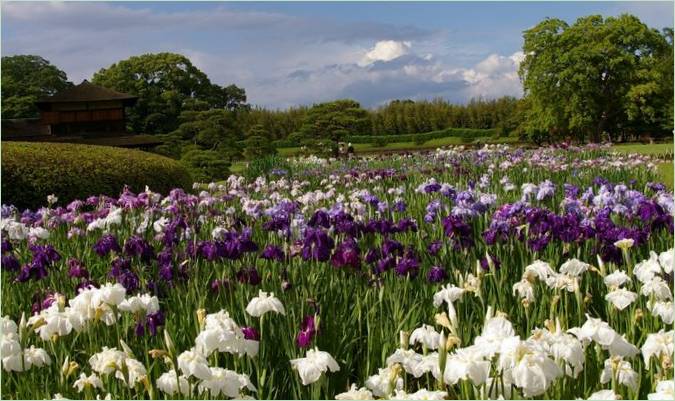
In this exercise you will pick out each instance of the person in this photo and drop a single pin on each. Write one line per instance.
(350, 150)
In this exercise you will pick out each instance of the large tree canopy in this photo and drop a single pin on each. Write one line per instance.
(166, 84)
(597, 76)
(25, 79)
(326, 124)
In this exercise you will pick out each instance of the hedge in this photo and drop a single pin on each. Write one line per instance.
(467, 134)
(32, 170)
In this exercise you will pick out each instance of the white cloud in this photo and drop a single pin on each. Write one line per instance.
(281, 60)
(386, 50)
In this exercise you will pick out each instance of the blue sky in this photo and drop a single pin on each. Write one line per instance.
(286, 54)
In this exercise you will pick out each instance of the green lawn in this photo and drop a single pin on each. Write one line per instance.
(666, 173)
(646, 149)
(657, 149)
(238, 167)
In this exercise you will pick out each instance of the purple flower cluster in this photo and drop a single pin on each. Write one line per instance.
(44, 256)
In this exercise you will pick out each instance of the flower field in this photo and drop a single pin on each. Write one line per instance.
(454, 274)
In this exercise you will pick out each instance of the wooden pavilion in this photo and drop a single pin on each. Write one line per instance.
(85, 113)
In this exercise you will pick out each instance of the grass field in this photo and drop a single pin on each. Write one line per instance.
(646, 149)
(661, 149)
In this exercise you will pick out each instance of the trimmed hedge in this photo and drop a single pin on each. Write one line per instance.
(33, 170)
(464, 133)
(467, 134)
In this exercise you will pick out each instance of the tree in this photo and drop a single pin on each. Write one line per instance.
(25, 79)
(327, 124)
(166, 84)
(214, 130)
(584, 79)
(205, 165)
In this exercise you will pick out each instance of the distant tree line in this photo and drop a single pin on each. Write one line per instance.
(597, 79)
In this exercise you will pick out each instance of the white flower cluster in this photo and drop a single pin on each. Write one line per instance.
(16, 230)
(219, 333)
(649, 273)
(121, 364)
(14, 357)
(89, 306)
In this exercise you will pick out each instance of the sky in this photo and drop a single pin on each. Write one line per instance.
(300, 53)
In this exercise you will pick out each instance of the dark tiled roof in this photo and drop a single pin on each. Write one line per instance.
(86, 92)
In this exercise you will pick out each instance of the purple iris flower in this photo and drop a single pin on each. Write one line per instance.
(10, 263)
(432, 187)
(436, 274)
(435, 247)
(76, 269)
(459, 232)
(384, 264)
(250, 333)
(399, 206)
(249, 275)
(320, 219)
(373, 255)
(407, 266)
(307, 332)
(347, 253)
(391, 247)
(40, 303)
(106, 244)
(137, 246)
(405, 225)
(6, 246)
(273, 252)
(485, 264)
(155, 320)
(317, 245)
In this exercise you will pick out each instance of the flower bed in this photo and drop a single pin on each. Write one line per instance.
(489, 273)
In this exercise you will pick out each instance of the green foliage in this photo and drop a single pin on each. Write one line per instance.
(166, 84)
(329, 123)
(466, 133)
(597, 77)
(380, 141)
(31, 171)
(401, 117)
(258, 146)
(266, 166)
(205, 165)
(25, 79)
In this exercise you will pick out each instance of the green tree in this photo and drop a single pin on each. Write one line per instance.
(166, 84)
(215, 130)
(327, 124)
(258, 143)
(584, 79)
(205, 165)
(25, 79)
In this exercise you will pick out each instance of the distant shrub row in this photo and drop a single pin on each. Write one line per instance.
(31, 171)
(467, 135)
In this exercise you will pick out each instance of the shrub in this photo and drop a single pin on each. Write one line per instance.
(467, 133)
(31, 171)
(380, 141)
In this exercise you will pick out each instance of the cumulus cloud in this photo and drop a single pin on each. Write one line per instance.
(280, 59)
(386, 50)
